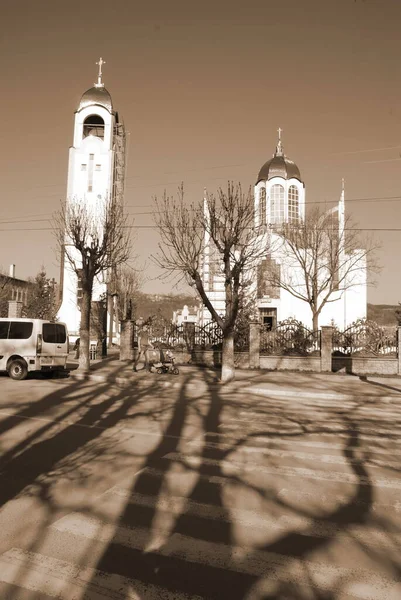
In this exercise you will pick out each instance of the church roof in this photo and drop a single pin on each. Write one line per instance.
(279, 166)
(96, 95)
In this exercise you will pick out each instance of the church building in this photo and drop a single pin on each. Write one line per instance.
(96, 171)
(279, 196)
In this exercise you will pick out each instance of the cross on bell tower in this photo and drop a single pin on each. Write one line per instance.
(99, 83)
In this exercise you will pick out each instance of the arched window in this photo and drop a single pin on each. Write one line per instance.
(262, 206)
(94, 125)
(293, 204)
(277, 204)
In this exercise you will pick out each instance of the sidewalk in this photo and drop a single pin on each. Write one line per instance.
(327, 386)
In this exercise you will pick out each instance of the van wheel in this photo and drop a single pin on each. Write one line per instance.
(18, 369)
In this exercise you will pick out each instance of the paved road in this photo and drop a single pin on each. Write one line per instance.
(174, 488)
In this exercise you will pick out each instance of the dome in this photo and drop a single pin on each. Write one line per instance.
(279, 166)
(96, 95)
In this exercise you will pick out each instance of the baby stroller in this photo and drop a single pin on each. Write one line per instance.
(166, 363)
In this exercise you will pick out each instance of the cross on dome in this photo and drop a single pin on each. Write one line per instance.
(99, 83)
(279, 147)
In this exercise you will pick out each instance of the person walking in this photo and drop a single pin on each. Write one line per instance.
(144, 345)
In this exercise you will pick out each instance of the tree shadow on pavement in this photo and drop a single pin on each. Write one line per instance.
(193, 554)
(142, 563)
(176, 525)
(57, 450)
(365, 379)
(39, 453)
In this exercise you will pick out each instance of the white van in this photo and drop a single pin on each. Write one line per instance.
(32, 345)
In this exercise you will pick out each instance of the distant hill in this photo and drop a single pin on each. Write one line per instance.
(383, 314)
(164, 305)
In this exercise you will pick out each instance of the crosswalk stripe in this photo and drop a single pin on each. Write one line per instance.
(256, 563)
(368, 413)
(285, 493)
(176, 505)
(262, 444)
(335, 500)
(298, 395)
(66, 581)
(233, 467)
(316, 427)
(334, 459)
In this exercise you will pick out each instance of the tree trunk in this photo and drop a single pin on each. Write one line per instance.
(84, 331)
(227, 359)
(315, 321)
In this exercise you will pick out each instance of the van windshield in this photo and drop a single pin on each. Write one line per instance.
(54, 333)
(20, 330)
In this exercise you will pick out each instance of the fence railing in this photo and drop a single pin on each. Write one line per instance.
(290, 338)
(190, 336)
(365, 339)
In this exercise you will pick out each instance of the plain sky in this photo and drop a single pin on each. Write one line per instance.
(202, 88)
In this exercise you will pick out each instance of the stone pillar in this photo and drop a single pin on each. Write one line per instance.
(399, 349)
(14, 309)
(127, 340)
(254, 345)
(326, 348)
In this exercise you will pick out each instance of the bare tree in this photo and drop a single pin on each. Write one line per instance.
(94, 242)
(128, 283)
(223, 223)
(320, 260)
(5, 292)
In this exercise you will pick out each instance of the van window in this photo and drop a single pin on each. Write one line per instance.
(54, 333)
(20, 330)
(4, 325)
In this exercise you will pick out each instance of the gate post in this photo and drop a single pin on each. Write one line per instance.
(399, 349)
(254, 345)
(14, 309)
(326, 347)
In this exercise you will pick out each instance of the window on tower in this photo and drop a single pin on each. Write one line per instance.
(90, 173)
(277, 204)
(79, 287)
(94, 125)
(262, 207)
(293, 204)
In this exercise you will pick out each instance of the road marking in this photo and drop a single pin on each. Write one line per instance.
(257, 563)
(66, 581)
(264, 443)
(234, 467)
(174, 506)
(299, 395)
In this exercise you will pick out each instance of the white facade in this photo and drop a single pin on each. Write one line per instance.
(280, 198)
(186, 315)
(95, 175)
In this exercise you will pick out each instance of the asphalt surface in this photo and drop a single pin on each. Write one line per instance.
(141, 486)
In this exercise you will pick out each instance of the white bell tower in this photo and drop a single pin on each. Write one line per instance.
(96, 170)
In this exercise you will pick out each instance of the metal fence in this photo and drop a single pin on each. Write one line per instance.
(290, 338)
(365, 339)
(190, 336)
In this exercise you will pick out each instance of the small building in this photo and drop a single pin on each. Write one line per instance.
(12, 288)
(186, 315)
